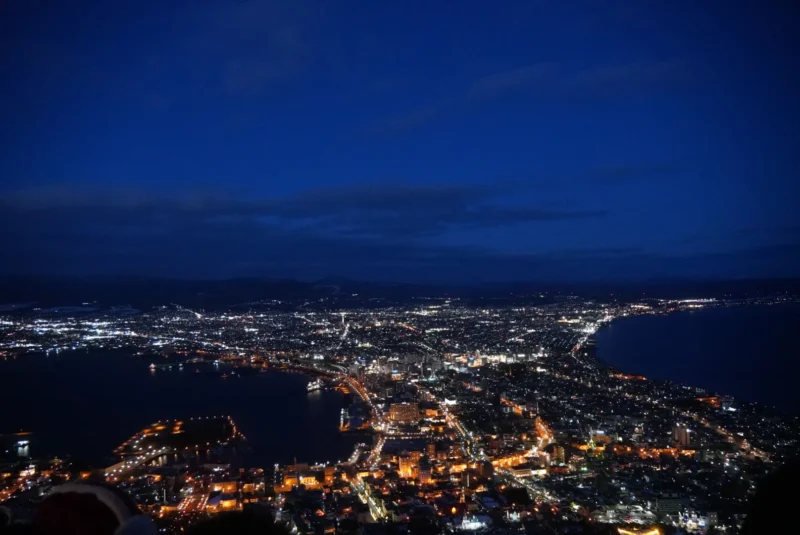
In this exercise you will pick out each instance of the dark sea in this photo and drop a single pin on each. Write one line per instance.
(751, 353)
(85, 403)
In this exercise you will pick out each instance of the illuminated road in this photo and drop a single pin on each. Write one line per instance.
(194, 503)
(374, 454)
(376, 508)
(343, 338)
(378, 423)
(132, 463)
(467, 440)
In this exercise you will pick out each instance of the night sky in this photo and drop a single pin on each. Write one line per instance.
(430, 141)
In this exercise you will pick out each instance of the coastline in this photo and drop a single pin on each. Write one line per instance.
(113, 387)
(738, 351)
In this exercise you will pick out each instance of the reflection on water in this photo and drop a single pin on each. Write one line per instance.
(87, 403)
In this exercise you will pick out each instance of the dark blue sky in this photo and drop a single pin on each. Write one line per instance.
(413, 141)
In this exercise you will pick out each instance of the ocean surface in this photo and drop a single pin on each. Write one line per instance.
(751, 353)
(85, 403)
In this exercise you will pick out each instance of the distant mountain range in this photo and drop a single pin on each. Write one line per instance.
(336, 291)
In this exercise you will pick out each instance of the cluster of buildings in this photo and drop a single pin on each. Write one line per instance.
(475, 419)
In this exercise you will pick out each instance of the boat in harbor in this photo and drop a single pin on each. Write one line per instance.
(315, 385)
